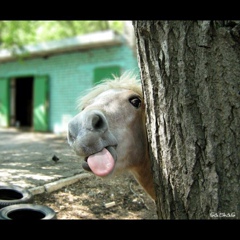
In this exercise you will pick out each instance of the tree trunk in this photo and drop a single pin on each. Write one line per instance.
(190, 72)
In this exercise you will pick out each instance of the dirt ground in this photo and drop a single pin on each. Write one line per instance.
(26, 161)
(93, 198)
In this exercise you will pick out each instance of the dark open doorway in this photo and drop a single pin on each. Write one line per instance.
(24, 101)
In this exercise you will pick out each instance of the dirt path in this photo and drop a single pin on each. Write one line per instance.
(94, 198)
(26, 160)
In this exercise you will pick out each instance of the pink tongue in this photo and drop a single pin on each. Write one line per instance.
(101, 163)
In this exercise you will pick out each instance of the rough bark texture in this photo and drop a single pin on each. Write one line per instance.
(190, 72)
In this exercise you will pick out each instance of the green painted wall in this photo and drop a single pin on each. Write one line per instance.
(69, 75)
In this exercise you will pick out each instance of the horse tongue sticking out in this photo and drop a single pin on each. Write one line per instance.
(101, 163)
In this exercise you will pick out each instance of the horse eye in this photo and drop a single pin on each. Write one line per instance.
(135, 101)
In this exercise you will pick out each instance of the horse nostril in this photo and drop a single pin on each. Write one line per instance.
(79, 127)
(97, 122)
(72, 131)
(71, 138)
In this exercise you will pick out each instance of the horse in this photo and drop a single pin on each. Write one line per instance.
(109, 132)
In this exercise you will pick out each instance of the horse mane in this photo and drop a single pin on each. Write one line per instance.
(128, 80)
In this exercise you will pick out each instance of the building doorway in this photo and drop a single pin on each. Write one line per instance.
(23, 101)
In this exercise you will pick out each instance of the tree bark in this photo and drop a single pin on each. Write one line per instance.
(190, 73)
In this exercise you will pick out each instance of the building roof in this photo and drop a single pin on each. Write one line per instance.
(87, 41)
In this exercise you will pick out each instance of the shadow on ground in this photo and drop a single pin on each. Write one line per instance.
(26, 158)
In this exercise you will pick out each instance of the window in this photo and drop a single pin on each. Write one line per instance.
(105, 72)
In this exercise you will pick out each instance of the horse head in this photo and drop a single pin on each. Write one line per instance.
(109, 131)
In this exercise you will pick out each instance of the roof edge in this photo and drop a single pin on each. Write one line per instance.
(86, 41)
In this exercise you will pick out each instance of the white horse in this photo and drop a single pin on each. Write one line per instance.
(110, 133)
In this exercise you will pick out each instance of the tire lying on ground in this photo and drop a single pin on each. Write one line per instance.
(11, 194)
(27, 212)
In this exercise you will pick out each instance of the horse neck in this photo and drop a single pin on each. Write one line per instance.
(144, 176)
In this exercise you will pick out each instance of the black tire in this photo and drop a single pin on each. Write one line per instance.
(27, 212)
(11, 194)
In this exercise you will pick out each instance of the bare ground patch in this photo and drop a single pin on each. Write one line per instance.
(93, 198)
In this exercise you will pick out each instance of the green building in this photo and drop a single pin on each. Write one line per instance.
(40, 92)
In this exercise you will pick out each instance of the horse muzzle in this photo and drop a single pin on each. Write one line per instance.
(88, 133)
(90, 137)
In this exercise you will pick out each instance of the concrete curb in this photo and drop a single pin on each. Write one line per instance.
(53, 186)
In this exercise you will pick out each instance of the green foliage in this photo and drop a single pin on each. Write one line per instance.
(15, 34)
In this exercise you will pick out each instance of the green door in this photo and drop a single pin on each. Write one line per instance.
(40, 105)
(4, 102)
